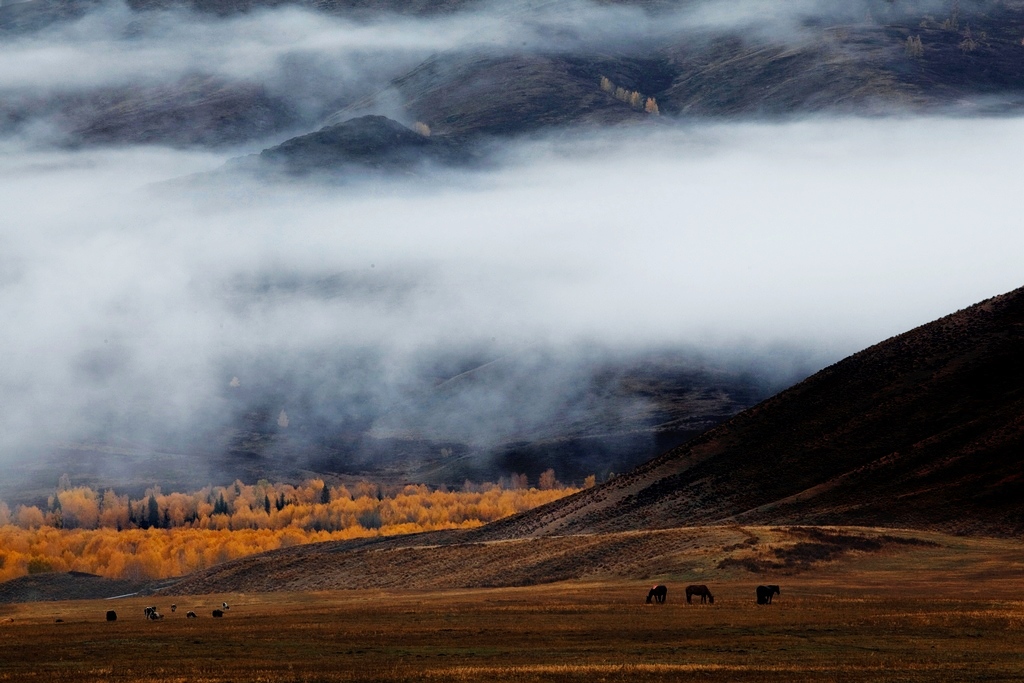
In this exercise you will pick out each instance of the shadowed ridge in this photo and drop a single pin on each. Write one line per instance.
(923, 430)
(67, 586)
(368, 141)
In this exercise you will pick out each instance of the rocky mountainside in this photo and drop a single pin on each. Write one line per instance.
(924, 430)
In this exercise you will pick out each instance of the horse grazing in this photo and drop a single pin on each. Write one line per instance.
(659, 593)
(190, 615)
(702, 591)
(765, 593)
(111, 615)
(218, 613)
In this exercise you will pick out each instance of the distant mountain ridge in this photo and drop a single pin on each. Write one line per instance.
(890, 57)
(924, 430)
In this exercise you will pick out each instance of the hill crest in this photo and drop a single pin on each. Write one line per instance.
(923, 430)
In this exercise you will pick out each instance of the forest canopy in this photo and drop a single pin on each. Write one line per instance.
(169, 534)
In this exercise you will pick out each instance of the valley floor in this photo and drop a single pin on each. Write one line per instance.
(949, 611)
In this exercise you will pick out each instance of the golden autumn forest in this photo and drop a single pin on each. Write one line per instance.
(169, 534)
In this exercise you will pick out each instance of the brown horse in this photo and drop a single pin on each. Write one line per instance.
(702, 591)
(659, 593)
(765, 593)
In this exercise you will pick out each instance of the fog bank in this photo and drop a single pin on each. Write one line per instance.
(136, 309)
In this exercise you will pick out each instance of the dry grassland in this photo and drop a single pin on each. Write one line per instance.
(950, 611)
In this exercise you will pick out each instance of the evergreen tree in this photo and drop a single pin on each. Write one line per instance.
(266, 504)
(325, 495)
(153, 516)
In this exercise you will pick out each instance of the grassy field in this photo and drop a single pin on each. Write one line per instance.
(949, 612)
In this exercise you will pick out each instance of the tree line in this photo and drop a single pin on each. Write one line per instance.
(167, 534)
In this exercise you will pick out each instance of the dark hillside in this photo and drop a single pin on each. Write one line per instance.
(924, 430)
(856, 58)
(67, 586)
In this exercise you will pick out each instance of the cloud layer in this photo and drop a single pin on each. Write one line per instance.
(129, 306)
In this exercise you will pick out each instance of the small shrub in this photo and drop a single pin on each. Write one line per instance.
(38, 565)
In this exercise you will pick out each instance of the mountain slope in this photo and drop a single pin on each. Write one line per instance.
(445, 560)
(871, 57)
(923, 430)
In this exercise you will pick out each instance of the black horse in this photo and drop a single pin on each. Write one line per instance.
(702, 591)
(765, 593)
(659, 593)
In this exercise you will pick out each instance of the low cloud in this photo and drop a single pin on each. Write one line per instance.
(134, 308)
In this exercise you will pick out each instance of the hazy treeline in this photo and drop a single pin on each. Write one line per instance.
(168, 534)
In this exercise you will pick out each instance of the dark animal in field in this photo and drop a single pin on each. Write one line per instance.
(702, 591)
(218, 613)
(224, 605)
(111, 615)
(190, 615)
(58, 620)
(658, 593)
(154, 616)
(150, 611)
(765, 593)
(174, 608)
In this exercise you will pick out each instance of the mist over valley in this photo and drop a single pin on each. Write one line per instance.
(438, 241)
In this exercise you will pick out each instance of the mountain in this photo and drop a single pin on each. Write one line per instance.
(447, 560)
(924, 430)
(374, 142)
(866, 57)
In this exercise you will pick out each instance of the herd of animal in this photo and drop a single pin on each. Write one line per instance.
(659, 593)
(152, 614)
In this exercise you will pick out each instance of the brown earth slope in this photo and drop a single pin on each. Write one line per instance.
(67, 586)
(924, 430)
(452, 560)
